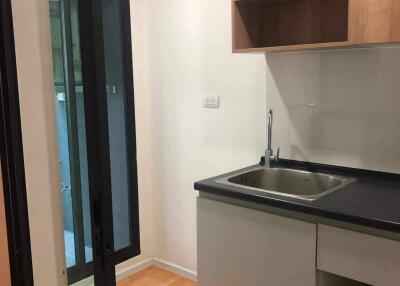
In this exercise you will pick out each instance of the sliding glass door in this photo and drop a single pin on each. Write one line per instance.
(70, 118)
(92, 66)
(121, 122)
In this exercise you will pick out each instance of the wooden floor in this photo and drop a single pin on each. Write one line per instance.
(155, 276)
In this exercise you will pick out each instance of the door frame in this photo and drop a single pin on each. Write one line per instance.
(81, 269)
(98, 153)
(12, 158)
(94, 81)
(130, 127)
(78, 272)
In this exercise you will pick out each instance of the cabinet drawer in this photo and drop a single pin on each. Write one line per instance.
(362, 257)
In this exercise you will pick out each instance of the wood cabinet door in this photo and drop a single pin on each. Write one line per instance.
(374, 21)
(239, 246)
(5, 279)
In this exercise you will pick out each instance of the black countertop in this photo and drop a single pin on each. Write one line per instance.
(372, 201)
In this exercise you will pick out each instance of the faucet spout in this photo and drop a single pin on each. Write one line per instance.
(269, 129)
(269, 153)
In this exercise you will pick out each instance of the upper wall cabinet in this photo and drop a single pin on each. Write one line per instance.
(290, 25)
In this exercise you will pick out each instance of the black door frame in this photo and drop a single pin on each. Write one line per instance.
(83, 270)
(98, 154)
(130, 127)
(12, 158)
(94, 82)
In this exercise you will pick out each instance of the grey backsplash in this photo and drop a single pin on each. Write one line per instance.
(337, 107)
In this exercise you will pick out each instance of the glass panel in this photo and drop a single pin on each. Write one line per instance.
(116, 99)
(71, 125)
(70, 118)
(62, 131)
(81, 130)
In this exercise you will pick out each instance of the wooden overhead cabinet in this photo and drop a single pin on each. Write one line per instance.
(290, 25)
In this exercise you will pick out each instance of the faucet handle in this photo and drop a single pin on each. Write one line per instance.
(277, 154)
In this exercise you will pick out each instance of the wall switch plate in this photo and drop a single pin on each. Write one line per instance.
(211, 102)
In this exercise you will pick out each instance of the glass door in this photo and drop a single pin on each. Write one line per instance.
(70, 116)
(92, 64)
(121, 123)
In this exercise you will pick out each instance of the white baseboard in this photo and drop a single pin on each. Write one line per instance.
(130, 270)
(175, 269)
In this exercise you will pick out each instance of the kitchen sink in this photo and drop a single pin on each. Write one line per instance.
(288, 182)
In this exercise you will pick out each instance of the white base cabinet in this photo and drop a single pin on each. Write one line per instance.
(238, 246)
(329, 279)
(362, 257)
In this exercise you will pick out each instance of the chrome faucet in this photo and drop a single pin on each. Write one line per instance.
(269, 153)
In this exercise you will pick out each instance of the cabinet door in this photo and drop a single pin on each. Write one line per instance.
(362, 257)
(374, 21)
(239, 246)
(5, 279)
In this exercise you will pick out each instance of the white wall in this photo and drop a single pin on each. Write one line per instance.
(35, 80)
(182, 52)
(337, 107)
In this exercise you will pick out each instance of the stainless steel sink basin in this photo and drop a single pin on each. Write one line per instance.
(287, 182)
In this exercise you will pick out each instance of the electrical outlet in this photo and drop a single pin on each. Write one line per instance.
(211, 102)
